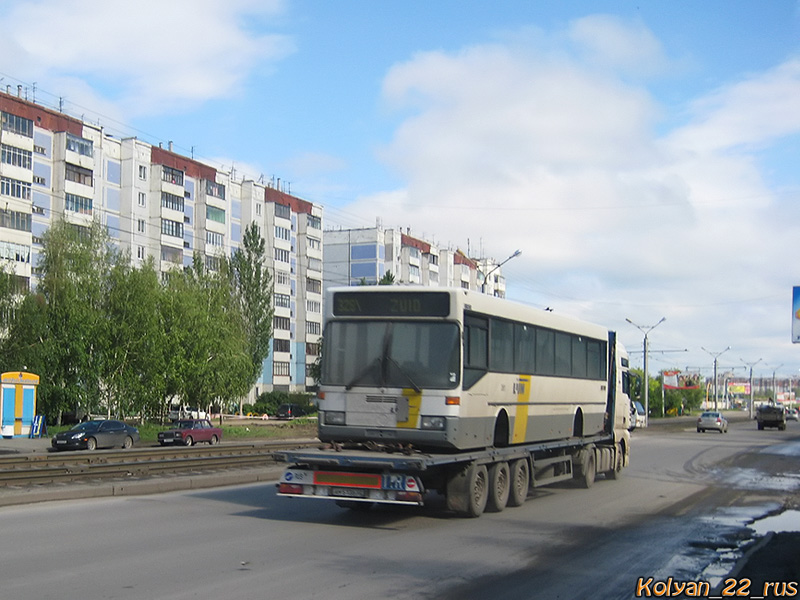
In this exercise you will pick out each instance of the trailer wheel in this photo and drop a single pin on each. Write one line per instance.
(499, 486)
(468, 490)
(520, 482)
(588, 467)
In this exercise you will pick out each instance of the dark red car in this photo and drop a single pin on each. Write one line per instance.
(188, 432)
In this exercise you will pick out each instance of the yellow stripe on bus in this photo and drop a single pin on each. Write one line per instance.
(523, 386)
(414, 404)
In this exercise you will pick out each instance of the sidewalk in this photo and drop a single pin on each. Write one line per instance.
(22, 445)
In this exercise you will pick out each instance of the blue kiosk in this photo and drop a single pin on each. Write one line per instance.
(17, 403)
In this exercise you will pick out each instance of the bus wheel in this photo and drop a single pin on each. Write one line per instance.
(499, 486)
(520, 482)
(468, 490)
(588, 467)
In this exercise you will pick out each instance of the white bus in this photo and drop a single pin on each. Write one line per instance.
(449, 369)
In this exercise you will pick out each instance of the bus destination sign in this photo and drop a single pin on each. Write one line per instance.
(391, 304)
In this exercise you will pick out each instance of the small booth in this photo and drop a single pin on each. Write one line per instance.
(17, 403)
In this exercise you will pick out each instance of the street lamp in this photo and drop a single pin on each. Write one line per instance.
(716, 356)
(485, 277)
(646, 330)
(774, 385)
(751, 365)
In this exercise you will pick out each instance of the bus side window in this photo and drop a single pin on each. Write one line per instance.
(476, 341)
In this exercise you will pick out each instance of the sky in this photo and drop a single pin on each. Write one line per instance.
(643, 156)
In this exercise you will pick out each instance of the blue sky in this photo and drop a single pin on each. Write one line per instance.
(643, 156)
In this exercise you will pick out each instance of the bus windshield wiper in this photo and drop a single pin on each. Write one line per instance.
(363, 373)
(414, 386)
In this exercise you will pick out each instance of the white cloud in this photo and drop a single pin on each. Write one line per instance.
(539, 150)
(147, 55)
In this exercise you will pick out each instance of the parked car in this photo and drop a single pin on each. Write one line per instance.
(90, 435)
(791, 414)
(290, 411)
(712, 419)
(188, 432)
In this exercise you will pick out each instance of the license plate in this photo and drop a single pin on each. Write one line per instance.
(61, 441)
(348, 492)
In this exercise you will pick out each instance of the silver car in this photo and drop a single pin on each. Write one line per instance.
(712, 419)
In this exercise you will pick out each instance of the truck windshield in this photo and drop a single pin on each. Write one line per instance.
(391, 354)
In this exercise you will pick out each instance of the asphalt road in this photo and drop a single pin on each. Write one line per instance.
(678, 511)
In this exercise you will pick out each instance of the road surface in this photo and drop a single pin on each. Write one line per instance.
(678, 511)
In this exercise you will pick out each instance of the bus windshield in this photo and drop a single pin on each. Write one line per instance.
(418, 354)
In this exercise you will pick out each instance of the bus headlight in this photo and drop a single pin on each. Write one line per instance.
(334, 417)
(435, 423)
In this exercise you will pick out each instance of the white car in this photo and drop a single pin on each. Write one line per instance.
(712, 419)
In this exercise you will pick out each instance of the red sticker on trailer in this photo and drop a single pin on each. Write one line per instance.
(362, 480)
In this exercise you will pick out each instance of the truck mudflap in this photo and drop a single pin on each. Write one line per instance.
(384, 488)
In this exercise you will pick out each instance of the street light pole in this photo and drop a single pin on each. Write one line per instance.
(716, 356)
(485, 277)
(751, 365)
(646, 330)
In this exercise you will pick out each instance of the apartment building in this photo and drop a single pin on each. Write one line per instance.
(157, 203)
(366, 255)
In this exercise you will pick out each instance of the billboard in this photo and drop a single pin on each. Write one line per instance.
(675, 380)
(739, 388)
(796, 315)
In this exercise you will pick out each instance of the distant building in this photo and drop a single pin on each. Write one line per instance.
(356, 256)
(157, 203)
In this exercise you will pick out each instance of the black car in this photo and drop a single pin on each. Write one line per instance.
(96, 434)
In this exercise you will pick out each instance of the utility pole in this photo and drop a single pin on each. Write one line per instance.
(716, 356)
(751, 365)
(646, 330)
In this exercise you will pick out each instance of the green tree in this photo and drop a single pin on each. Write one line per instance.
(132, 339)
(252, 285)
(387, 279)
(74, 263)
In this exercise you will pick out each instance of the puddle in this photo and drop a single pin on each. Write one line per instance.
(753, 479)
(788, 520)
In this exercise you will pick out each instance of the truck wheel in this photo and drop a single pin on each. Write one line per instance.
(499, 486)
(616, 472)
(520, 482)
(468, 490)
(588, 468)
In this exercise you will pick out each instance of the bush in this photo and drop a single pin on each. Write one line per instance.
(268, 402)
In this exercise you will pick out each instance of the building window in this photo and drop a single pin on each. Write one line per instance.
(282, 300)
(312, 349)
(171, 228)
(215, 189)
(141, 226)
(282, 345)
(171, 255)
(15, 252)
(78, 174)
(280, 369)
(78, 204)
(258, 209)
(281, 323)
(17, 157)
(314, 264)
(40, 150)
(215, 214)
(313, 328)
(314, 222)
(16, 124)
(212, 263)
(80, 145)
(11, 219)
(14, 188)
(171, 175)
(142, 172)
(39, 180)
(282, 233)
(171, 201)
(281, 255)
(142, 199)
(214, 239)
(282, 278)
(314, 243)
(314, 306)
(313, 285)
(283, 211)
(141, 253)
(433, 259)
